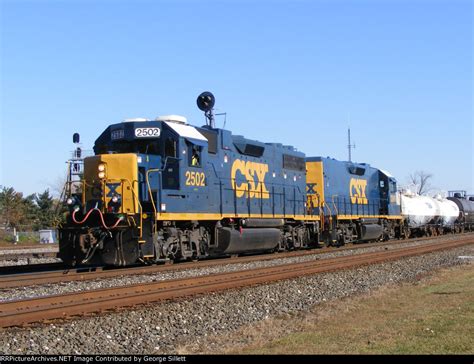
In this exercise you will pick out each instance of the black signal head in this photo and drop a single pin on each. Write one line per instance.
(205, 101)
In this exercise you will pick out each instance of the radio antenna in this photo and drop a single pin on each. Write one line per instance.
(349, 145)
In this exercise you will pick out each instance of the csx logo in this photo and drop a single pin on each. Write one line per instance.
(357, 191)
(250, 187)
(96, 190)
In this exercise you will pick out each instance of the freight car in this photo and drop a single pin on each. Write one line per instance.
(465, 204)
(425, 215)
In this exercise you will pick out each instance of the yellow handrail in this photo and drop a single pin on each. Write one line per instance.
(151, 196)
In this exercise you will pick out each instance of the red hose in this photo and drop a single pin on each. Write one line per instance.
(81, 222)
(103, 222)
(101, 218)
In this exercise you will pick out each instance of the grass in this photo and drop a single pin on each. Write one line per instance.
(24, 242)
(435, 316)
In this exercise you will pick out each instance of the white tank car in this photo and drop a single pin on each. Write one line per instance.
(449, 211)
(418, 210)
(436, 210)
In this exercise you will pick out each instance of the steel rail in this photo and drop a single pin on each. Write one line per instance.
(11, 279)
(30, 269)
(16, 313)
(23, 255)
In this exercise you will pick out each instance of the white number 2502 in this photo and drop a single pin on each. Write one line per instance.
(147, 132)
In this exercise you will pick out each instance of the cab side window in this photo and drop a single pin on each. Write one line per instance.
(194, 153)
(170, 148)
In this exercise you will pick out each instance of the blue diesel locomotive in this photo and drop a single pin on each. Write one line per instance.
(163, 189)
(355, 202)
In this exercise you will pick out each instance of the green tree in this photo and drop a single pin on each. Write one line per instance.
(45, 214)
(30, 212)
(11, 207)
(36, 211)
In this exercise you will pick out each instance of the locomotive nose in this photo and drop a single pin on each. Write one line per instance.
(111, 182)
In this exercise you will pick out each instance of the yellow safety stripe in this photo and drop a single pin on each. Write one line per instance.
(354, 217)
(207, 216)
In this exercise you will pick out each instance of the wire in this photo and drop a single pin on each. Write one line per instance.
(81, 222)
(103, 222)
(101, 218)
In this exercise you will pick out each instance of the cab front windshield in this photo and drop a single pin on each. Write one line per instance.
(136, 146)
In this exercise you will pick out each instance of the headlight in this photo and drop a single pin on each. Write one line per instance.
(101, 167)
(101, 175)
(70, 201)
(115, 199)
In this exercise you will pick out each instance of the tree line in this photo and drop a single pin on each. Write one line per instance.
(33, 212)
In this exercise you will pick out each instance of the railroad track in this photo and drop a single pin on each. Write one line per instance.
(29, 255)
(36, 274)
(20, 247)
(14, 276)
(21, 312)
(13, 271)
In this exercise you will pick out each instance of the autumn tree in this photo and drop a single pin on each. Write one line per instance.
(421, 180)
(36, 211)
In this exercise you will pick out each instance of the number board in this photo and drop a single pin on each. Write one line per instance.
(195, 179)
(147, 132)
(117, 134)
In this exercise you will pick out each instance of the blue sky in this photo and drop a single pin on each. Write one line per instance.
(296, 72)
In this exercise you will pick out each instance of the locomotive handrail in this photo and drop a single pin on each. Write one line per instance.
(166, 161)
(327, 206)
(334, 204)
(157, 170)
(258, 205)
(138, 202)
(68, 189)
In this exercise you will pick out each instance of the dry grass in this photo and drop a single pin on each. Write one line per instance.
(9, 244)
(435, 316)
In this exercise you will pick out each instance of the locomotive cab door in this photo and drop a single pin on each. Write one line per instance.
(384, 193)
(170, 162)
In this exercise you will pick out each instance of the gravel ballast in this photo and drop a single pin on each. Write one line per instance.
(163, 327)
(80, 286)
(26, 255)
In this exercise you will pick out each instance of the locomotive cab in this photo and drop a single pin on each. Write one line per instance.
(122, 187)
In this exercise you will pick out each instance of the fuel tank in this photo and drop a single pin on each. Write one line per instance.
(233, 241)
(370, 232)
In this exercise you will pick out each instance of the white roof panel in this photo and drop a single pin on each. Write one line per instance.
(386, 173)
(186, 131)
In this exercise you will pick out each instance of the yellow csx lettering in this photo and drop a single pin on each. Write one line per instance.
(357, 191)
(248, 169)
